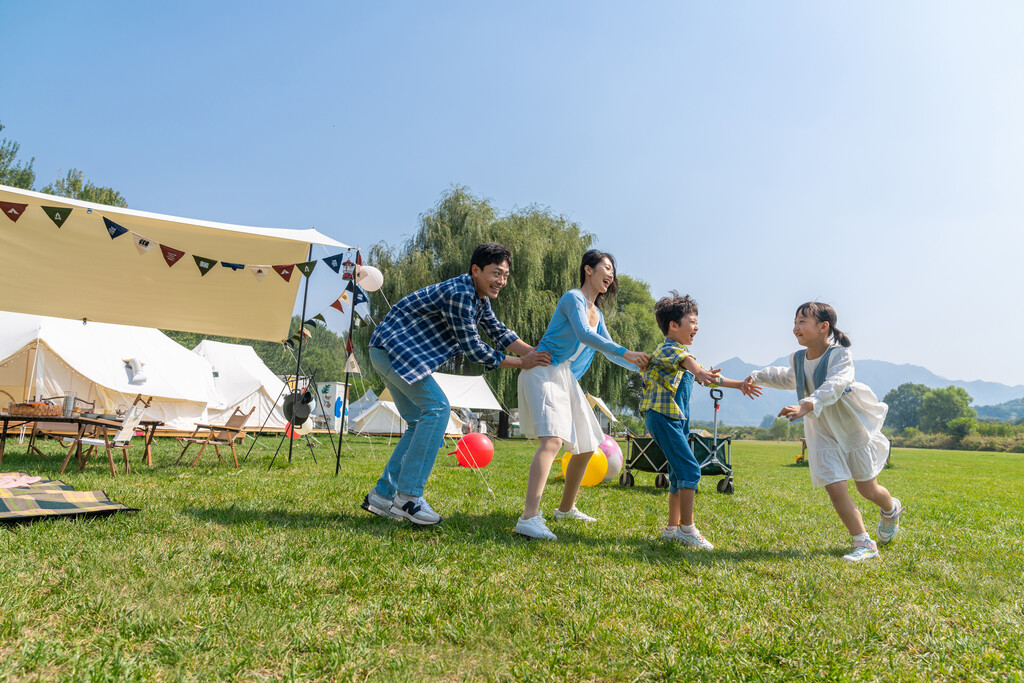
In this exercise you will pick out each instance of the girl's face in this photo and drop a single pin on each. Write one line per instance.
(602, 275)
(810, 332)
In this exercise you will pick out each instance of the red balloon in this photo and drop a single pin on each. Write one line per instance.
(474, 450)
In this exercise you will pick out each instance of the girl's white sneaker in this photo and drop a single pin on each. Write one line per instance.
(573, 513)
(534, 527)
(695, 539)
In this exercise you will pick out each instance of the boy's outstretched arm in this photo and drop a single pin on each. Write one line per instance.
(751, 390)
(704, 377)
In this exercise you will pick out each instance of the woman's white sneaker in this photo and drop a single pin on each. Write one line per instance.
(534, 527)
(573, 513)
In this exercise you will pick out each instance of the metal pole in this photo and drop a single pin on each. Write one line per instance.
(344, 400)
(298, 361)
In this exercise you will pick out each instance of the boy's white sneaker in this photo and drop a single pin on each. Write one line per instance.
(889, 525)
(862, 550)
(534, 527)
(573, 513)
(695, 539)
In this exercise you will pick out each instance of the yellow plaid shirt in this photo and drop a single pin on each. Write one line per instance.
(662, 378)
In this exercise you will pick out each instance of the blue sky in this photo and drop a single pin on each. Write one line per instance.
(755, 155)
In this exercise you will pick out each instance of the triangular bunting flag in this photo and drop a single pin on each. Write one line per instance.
(113, 228)
(259, 272)
(12, 210)
(320, 317)
(348, 344)
(284, 271)
(359, 320)
(334, 262)
(306, 268)
(359, 258)
(204, 264)
(337, 305)
(351, 365)
(57, 214)
(141, 243)
(171, 255)
(233, 266)
(311, 323)
(360, 297)
(289, 343)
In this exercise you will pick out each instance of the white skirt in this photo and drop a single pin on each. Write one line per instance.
(552, 403)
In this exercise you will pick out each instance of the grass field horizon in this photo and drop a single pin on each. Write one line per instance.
(257, 574)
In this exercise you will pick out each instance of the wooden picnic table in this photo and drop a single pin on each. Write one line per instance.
(79, 422)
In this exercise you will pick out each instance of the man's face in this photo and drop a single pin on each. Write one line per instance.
(490, 279)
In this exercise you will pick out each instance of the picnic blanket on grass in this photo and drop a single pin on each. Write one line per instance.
(50, 498)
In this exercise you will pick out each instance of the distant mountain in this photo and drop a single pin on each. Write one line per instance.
(880, 375)
(1011, 411)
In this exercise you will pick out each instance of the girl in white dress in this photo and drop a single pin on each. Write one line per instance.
(843, 424)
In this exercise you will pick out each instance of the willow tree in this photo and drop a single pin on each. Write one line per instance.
(546, 250)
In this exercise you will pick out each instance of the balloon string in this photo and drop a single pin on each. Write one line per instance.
(476, 468)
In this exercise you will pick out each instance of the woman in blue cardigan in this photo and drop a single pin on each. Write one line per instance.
(552, 406)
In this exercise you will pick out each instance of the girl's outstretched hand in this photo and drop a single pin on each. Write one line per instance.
(796, 412)
(750, 389)
(638, 358)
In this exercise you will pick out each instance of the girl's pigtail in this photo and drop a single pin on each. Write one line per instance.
(840, 338)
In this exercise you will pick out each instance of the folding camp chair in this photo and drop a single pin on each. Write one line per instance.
(217, 436)
(101, 428)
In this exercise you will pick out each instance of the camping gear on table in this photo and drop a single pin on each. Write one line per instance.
(714, 455)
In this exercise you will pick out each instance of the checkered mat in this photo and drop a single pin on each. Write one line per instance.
(49, 498)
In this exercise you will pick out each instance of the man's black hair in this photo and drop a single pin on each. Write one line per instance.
(488, 253)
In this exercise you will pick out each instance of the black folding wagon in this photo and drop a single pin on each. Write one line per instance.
(714, 454)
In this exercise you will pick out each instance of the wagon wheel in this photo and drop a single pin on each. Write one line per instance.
(661, 481)
(722, 483)
(728, 487)
(623, 481)
(629, 479)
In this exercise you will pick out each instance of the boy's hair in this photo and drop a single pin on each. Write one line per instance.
(672, 309)
(824, 313)
(488, 253)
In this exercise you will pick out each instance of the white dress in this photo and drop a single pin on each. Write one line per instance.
(552, 403)
(844, 430)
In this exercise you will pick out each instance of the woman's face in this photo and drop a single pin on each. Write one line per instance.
(602, 275)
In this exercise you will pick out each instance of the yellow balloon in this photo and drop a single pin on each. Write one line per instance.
(596, 468)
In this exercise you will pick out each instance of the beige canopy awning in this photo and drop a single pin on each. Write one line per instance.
(72, 259)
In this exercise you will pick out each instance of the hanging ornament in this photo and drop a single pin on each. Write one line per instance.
(57, 214)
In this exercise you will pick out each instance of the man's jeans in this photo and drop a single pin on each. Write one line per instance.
(425, 408)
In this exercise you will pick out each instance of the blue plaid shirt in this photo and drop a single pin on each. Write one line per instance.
(436, 323)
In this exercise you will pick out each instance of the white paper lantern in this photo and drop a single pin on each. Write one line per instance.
(369, 278)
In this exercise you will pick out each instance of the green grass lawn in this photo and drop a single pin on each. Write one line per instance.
(252, 574)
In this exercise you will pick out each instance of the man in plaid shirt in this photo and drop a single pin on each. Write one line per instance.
(669, 379)
(422, 331)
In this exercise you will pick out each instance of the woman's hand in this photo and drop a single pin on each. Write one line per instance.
(796, 412)
(637, 358)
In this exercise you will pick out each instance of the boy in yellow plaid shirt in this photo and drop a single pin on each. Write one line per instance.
(668, 381)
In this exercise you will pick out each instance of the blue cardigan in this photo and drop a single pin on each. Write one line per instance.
(569, 327)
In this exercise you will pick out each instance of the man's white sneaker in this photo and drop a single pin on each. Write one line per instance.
(695, 539)
(416, 510)
(889, 525)
(573, 513)
(377, 504)
(534, 527)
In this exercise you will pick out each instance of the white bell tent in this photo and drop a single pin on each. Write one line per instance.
(241, 380)
(43, 357)
(462, 391)
(382, 419)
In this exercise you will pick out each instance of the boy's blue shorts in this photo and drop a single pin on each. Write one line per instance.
(672, 436)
